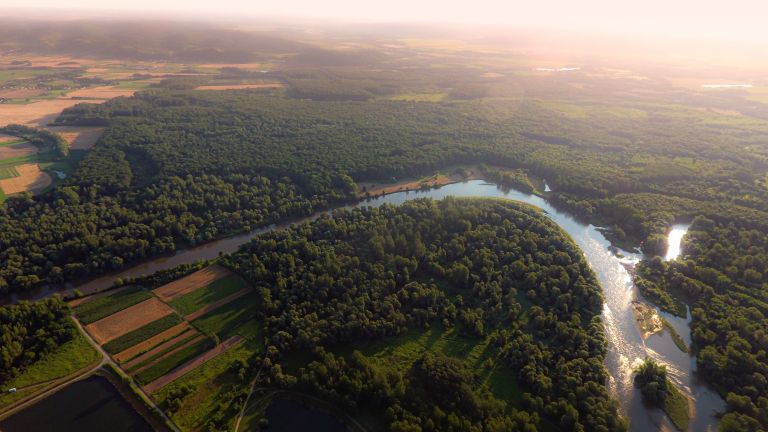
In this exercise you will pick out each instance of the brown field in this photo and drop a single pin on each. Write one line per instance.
(217, 304)
(21, 93)
(188, 343)
(7, 138)
(191, 365)
(120, 323)
(17, 150)
(104, 92)
(79, 138)
(88, 298)
(191, 282)
(239, 86)
(30, 179)
(37, 113)
(149, 343)
(245, 66)
(162, 347)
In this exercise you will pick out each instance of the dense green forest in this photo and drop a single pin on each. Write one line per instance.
(29, 331)
(498, 272)
(180, 167)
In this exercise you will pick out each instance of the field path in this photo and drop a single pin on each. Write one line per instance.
(217, 304)
(190, 365)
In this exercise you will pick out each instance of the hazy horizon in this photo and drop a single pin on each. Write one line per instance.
(741, 21)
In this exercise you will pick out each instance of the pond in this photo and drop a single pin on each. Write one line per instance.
(92, 404)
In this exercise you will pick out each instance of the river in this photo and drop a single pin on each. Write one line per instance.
(627, 347)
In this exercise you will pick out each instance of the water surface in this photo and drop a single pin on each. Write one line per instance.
(90, 405)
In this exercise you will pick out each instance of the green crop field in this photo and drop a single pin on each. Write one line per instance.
(8, 172)
(160, 354)
(236, 318)
(106, 306)
(208, 294)
(213, 382)
(142, 333)
(174, 360)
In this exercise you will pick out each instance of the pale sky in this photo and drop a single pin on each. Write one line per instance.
(735, 20)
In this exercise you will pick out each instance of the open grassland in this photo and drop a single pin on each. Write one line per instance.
(147, 344)
(69, 358)
(213, 382)
(29, 179)
(190, 283)
(235, 318)
(173, 360)
(128, 320)
(103, 307)
(141, 334)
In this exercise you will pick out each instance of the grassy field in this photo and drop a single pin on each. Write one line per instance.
(213, 382)
(140, 334)
(236, 318)
(676, 338)
(208, 294)
(106, 306)
(172, 361)
(676, 407)
(67, 359)
(8, 172)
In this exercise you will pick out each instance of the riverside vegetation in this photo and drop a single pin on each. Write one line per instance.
(179, 167)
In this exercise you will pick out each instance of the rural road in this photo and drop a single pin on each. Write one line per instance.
(76, 377)
(105, 358)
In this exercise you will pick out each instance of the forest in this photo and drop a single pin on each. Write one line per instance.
(29, 331)
(498, 272)
(179, 167)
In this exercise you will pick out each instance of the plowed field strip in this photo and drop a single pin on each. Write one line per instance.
(191, 282)
(190, 342)
(160, 348)
(149, 343)
(217, 304)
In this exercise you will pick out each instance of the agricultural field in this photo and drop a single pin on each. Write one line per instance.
(161, 336)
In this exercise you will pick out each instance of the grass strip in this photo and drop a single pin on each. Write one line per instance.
(173, 361)
(106, 306)
(142, 333)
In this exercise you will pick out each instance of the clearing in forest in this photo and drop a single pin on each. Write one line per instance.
(187, 284)
(30, 179)
(191, 365)
(147, 344)
(79, 138)
(128, 319)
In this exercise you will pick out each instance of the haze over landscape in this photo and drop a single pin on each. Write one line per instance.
(383, 216)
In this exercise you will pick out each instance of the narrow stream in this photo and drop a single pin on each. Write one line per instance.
(627, 348)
